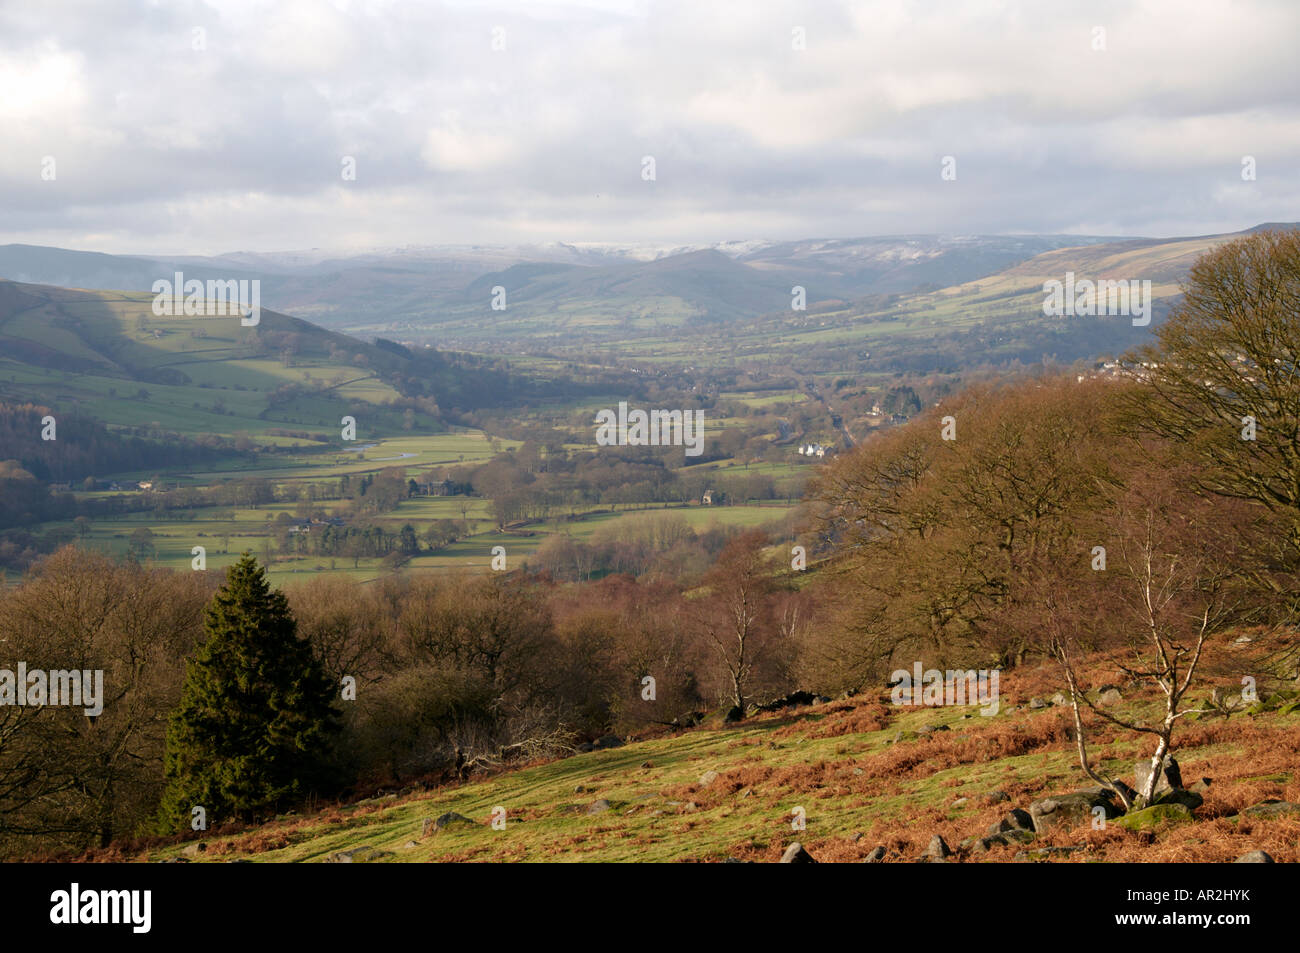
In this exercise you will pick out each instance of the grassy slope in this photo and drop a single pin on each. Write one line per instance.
(838, 762)
(93, 351)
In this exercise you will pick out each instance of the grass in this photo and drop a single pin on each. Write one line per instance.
(839, 762)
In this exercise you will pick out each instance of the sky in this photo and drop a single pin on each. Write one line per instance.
(203, 128)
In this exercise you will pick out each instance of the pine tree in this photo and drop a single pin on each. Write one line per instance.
(253, 728)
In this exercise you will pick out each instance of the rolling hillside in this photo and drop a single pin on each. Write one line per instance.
(105, 355)
(872, 779)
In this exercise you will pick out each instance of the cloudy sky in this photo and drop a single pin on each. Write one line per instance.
(199, 128)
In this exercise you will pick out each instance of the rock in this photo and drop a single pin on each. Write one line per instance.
(938, 847)
(997, 797)
(446, 820)
(1013, 820)
(1037, 703)
(1001, 839)
(1041, 854)
(1188, 799)
(585, 747)
(1201, 786)
(647, 764)
(598, 807)
(930, 729)
(707, 778)
(734, 714)
(1069, 810)
(605, 742)
(1154, 816)
(1106, 792)
(795, 854)
(1170, 777)
(960, 801)
(1254, 857)
(358, 855)
(1109, 697)
(193, 850)
(1058, 699)
(876, 856)
(1271, 807)
(409, 844)
(580, 789)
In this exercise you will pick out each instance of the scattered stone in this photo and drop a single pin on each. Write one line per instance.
(647, 764)
(856, 836)
(746, 793)
(409, 844)
(193, 850)
(997, 797)
(1109, 697)
(1037, 703)
(858, 772)
(1069, 810)
(1254, 857)
(960, 801)
(1041, 854)
(1013, 820)
(358, 855)
(1272, 807)
(598, 807)
(446, 820)
(876, 856)
(1001, 839)
(707, 778)
(1201, 786)
(795, 854)
(605, 742)
(1059, 700)
(930, 729)
(938, 848)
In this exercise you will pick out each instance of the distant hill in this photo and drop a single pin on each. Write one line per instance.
(105, 355)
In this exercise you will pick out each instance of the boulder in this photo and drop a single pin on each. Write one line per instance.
(1105, 791)
(599, 807)
(876, 856)
(1254, 857)
(1272, 808)
(1155, 816)
(1170, 776)
(1109, 697)
(734, 714)
(1036, 703)
(1058, 699)
(1013, 820)
(446, 820)
(608, 741)
(708, 777)
(358, 855)
(1069, 810)
(1188, 799)
(938, 848)
(1001, 839)
(795, 854)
